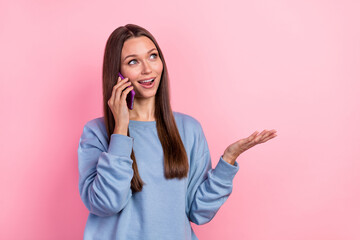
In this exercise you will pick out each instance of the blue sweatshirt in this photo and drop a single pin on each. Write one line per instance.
(164, 207)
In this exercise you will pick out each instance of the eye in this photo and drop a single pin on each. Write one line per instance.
(131, 61)
(135, 60)
(154, 54)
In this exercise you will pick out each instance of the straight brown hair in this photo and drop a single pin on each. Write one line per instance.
(175, 158)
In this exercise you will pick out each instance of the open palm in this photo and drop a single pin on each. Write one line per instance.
(240, 146)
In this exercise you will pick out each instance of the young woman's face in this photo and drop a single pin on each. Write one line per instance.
(144, 63)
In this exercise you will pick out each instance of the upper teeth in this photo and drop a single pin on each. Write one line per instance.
(147, 80)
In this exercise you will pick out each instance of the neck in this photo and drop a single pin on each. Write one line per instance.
(144, 109)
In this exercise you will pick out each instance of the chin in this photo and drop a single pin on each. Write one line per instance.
(146, 93)
(139, 94)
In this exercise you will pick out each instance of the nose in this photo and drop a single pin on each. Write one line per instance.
(146, 68)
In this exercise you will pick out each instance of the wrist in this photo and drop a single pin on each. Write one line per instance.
(122, 131)
(228, 159)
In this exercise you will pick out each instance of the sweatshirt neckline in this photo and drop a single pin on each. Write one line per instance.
(142, 123)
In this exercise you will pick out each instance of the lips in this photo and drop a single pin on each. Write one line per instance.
(141, 81)
(149, 84)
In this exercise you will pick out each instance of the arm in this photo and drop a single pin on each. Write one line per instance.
(208, 188)
(104, 176)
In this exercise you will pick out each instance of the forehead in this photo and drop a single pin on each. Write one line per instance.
(137, 45)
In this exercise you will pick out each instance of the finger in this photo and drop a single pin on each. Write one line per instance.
(119, 84)
(266, 134)
(248, 142)
(252, 136)
(123, 80)
(116, 86)
(271, 132)
(110, 101)
(125, 93)
(117, 95)
(268, 138)
(120, 91)
(258, 137)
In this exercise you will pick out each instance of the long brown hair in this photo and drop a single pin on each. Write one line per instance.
(175, 158)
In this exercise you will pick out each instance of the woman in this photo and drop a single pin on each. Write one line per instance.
(146, 173)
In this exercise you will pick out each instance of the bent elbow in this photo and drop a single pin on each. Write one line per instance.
(105, 210)
(104, 206)
(201, 218)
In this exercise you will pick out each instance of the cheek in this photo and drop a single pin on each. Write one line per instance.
(159, 67)
(131, 73)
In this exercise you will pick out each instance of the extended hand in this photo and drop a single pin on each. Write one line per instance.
(240, 146)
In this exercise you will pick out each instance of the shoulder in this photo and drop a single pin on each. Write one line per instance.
(187, 122)
(186, 119)
(96, 124)
(95, 131)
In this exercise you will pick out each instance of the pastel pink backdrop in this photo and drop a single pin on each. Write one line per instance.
(236, 66)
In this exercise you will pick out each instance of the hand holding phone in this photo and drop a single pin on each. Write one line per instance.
(130, 96)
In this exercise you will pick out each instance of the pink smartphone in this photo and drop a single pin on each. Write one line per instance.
(130, 96)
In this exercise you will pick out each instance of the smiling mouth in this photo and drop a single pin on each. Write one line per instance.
(147, 82)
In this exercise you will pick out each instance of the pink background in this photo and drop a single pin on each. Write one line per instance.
(236, 66)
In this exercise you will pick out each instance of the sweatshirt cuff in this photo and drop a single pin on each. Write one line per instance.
(225, 170)
(120, 145)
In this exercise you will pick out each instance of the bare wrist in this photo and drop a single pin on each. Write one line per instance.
(120, 130)
(228, 159)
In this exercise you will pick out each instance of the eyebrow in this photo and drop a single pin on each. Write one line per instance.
(134, 55)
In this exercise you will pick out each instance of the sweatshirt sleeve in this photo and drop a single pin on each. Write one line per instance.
(208, 188)
(104, 174)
